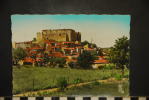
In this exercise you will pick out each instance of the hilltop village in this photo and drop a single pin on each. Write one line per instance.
(57, 43)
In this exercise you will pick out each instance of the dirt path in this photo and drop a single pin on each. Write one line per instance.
(70, 86)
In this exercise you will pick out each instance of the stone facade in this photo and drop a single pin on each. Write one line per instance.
(59, 35)
(23, 45)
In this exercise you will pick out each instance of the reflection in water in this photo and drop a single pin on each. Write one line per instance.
(113, 89)
(120, 88)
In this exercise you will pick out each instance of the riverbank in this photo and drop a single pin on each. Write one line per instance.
(27, 78)
(58, 92)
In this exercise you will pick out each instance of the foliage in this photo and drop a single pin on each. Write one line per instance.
(93, 45)
(84, 42)
(108, 67)
(119, 53)
(57, 61)
(19, 53)
(34, 39)
(100, 52)
(77, 80)
(86, 59)
(46, 77)
(46, 58)
(118, 76)
(62, 83)
(71, 64)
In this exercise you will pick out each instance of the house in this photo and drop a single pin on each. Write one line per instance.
(99, 62)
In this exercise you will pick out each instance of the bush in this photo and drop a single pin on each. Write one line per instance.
(108, 67)
(71, 64)
(118, 76)
(78, 80)
(58, 61)
(126, 76)
(62, 83)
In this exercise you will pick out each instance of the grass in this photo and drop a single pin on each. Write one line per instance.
(95, 89)
(28, 78)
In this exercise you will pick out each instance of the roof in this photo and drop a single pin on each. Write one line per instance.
(69, 48)
(68, 42)
(71, 60)
(102, 61)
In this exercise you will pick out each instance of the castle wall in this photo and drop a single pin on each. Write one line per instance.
(58, 35)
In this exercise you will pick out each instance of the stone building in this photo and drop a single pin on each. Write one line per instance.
(23, 45)
(59, 35)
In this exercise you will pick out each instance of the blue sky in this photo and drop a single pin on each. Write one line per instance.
(100, 29)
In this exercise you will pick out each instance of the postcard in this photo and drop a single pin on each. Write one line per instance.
(70, 55)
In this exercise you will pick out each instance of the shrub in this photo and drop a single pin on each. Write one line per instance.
(126, 76)
(78, 80)
(118, 76)
(62, 83)
(58, 61)
(108, 67)
(71, 64)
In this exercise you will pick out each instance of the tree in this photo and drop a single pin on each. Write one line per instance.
(100, 52)
(58, 61)
(34, 39)
(86, 59)
(84, 43)
(71, 64)
(93, 45)
(18, 54)
(119, 53)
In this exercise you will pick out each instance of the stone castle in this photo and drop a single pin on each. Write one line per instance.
(59, 35)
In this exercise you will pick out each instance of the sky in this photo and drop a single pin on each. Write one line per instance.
(100, 29)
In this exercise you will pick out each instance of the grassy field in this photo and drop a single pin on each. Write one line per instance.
(28, 78)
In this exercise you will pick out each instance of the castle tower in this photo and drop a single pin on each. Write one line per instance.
(59, 35)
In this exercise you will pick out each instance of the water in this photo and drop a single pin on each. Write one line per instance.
(114, 89)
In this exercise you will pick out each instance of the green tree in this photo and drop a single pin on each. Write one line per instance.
(84, 42)
(62, 83)
(34, 39)
(18, 54)
(86, 59)
(58, 61)
(71, 64)
(100, 52)
(93, 45)
(119, 53)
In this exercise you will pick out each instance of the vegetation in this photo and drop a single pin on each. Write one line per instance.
(85, 60)
(94, 89)
(71, 64)
(28, 78)
(77, 80)
(119, 53)
(84, 43)
(62, 83)
(18, 54)
(60, 62)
